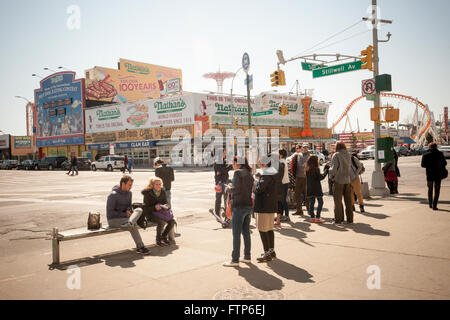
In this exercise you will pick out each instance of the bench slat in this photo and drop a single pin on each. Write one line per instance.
(85, 233)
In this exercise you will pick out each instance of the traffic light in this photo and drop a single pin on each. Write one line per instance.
(275, 79)
(367, 59)
(283, 110)
(282, 78)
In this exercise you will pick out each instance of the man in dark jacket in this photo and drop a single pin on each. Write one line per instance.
(435, 163)
(165, 173)
(298, 169)
(221, 177)
(119, 214)
(73, 165)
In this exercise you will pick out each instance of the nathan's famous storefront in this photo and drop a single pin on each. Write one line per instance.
(60, 115)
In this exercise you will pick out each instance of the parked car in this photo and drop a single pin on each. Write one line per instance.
(368, 153)
(109, 163)
(9, 164)
(445, 150)
(401, 151)
(319, 155)
(27, 165)
(51, 163)
(83, 163)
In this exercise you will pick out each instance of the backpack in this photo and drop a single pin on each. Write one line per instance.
(93, 222)
(362, 166)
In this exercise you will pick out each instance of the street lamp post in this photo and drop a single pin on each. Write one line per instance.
(33, 109)
(231, 96)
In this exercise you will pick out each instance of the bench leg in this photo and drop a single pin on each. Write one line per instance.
(55, 246)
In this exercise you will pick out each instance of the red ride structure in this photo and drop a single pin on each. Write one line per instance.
(389, 95)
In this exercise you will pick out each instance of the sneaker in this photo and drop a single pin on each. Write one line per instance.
(126, 225)
(143, 250)
(246, 260)
(266, 257)
(285, 219)
(160, 243)
(319, 220)
(272, 253)
(230, 264)
(277, 225)
(297, 213)
(313, 220)
(165, 241)
(338, 223)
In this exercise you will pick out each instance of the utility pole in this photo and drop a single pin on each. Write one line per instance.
(378, 184)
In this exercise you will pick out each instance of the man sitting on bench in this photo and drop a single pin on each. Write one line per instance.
(119, 214)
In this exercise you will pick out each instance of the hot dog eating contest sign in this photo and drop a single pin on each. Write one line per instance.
(152, 113)
(132, 82)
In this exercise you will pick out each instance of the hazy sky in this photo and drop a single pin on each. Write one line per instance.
(201, 36)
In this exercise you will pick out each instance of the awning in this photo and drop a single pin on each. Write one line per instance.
(407, 140)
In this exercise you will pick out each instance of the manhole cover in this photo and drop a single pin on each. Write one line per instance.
(247, 293)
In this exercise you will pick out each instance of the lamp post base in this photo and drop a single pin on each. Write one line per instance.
(378, 187)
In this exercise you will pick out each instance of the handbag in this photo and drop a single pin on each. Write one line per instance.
(444, 173)
(93, 222)
(163, 214)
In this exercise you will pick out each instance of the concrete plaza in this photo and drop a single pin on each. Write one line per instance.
(398, 249)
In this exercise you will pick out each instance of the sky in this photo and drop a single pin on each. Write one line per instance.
(203, 36)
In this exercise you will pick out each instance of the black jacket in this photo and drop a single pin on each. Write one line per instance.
(265, 194)
(279, 182)
(242, 189)
(222, 169)
(313, 185)
(150, 200)
(166, 174)
(434, 162)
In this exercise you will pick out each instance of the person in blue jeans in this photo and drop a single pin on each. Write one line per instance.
(313, 186)
(241, 188)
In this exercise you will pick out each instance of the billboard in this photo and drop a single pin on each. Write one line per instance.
(168, 112)
(132, 82)
(265, 109)
(4, 141)
(59, 110)
(446, 122)
(21, 145)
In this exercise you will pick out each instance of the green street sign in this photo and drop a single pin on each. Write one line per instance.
(346, 67)
(370, 97)
(262, 113)
(310, 66)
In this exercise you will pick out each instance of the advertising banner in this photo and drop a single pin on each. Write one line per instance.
(132, 82)
(4, 141)
(446, 121)
(59, 110)
(133, 135)
(21, 145)
(168, 112)
(265, 107)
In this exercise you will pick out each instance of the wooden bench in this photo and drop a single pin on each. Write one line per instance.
(81, 233)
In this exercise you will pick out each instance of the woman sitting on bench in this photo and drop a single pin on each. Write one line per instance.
(156, 210)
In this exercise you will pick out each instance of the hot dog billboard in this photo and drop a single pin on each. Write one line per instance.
(132, 82)
(151, 113)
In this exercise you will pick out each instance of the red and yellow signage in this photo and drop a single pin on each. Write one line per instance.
(132, 82)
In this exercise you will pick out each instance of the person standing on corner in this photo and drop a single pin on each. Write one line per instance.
(73, 165)
(166, 174)
(266, 206)
(298, 169)
(242, 186)
(340, 174)
(355, 171)
(434, 162)
(285, 186)
(314, 187)
(221, 177)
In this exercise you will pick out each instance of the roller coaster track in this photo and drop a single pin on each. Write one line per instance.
(389, 95)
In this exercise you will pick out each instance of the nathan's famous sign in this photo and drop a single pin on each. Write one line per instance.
(132, 82)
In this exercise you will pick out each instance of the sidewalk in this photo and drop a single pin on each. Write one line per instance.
(398, 238)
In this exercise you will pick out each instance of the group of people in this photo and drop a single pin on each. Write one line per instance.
(270, 186)
(156, 207)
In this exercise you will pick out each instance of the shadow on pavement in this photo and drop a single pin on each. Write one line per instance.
(289, 271)
(293, 233)
(260, 279)
(373, 215)
(123, 259)
(367, 229)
